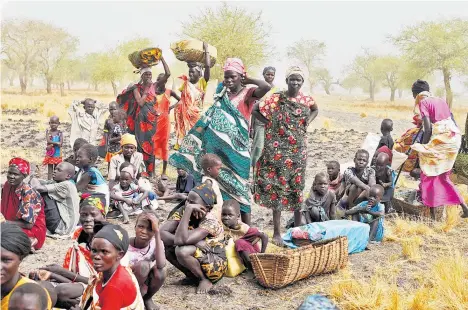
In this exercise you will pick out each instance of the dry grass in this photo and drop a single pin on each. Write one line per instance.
(410, 248)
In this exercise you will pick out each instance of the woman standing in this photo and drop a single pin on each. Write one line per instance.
(223, 130)
(193, 90)
(281, 168)
(23, 205)
(438, 151)
(139, 102)
(257, 129)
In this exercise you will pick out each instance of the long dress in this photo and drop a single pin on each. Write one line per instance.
(141, 121)
(437, 157)
(223, 131)
(188, 111)
(281, 169)
(161, 142)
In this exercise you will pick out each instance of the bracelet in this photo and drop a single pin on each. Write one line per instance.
(76, 276)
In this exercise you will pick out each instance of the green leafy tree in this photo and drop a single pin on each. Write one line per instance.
(8, 74)
(323, 76)
(365, 68)
(234, 32)
(308, 53)
(441, 46)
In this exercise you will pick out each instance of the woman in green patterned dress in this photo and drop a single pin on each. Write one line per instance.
(280, 176)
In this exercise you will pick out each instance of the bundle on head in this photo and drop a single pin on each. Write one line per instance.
(145, 58)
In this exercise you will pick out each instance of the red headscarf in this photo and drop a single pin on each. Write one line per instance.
(234, 64)
(21, 164)
(386, 150)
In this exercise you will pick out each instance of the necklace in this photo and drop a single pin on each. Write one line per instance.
(147, 251)
(105, 283)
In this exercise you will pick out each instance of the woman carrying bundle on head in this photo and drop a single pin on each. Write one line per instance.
(438, 150)
(139, 101)
(188, 110)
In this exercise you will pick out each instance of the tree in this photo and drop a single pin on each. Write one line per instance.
(308, 53)
(435, 46)
(57, 46)
(391, 70)
(365, 68)
(65, 70)
(324, 77)
(22, 41)
(8, 74)
(234, 32)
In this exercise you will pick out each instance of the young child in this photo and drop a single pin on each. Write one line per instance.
(54, 139)
(61, 199)
(117, 128)
(85, 124)
(357, 181)
(385, 176)
(89, 179)
(334, 178)
(245, 237)
(184, 184)
(76, 146)
(386, 129)
(29, 296)
(103, 146)
(146, 256)
(371, 211)
(211, 164)
(127, 197)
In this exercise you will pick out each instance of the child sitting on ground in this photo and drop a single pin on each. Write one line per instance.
(371, 211)
(334, 178)
(146, 256)
(357, 181)
(54, 139)
(76, 146)
(211, 164)
(385, 176)
(127, 197)
(29, 296)
(184, 184)
(61, 200)
(245, 237)
(89, 179)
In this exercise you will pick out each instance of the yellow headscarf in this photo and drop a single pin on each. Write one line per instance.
(128, 139)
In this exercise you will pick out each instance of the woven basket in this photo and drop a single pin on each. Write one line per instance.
(276, 270)
(400, 205)
(145, 58)
(192, 51)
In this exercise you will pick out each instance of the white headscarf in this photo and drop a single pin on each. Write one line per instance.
(294, 70)
(144, 70)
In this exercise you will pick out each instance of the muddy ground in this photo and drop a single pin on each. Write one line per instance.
(242, 292)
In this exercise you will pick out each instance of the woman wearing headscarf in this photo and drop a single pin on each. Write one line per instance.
(438, 150)
(115, 286)
(281, 168)
(23, 205)
(257, 129)
(188, 110)
(139, 101)
(224, 130)
(193, 238)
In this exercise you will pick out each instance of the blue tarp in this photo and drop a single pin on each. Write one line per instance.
(357, 233)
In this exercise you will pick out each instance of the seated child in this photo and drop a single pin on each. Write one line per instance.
(126, 195)
(193, 240)
(146, 256)
(357, 181)
(184, 184)
(211, 164)
(371, 211)
(29, 296)
(334, 178)
(76, 146)
(385, 176)
(246, 238)
(89, 179)
(382, 149)
(61, 199)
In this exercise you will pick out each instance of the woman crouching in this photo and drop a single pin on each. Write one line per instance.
(193, 240)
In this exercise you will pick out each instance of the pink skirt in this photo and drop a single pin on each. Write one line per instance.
(439, 191)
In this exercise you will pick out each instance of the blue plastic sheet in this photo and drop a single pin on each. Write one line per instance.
(357, 233)
(317, 302)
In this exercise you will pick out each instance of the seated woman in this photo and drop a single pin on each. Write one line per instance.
(71, 279)
(23, 205)
(115, 286)
(15, 247)
(146, 256)
(193, 239)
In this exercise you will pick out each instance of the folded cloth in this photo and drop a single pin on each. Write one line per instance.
(357, 233)
(317, 301)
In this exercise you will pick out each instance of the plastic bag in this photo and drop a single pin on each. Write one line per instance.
(235, 265)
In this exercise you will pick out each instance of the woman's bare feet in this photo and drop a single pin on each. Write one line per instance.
(278, 241)
(188, 281)
(204, 286)
(150, 305)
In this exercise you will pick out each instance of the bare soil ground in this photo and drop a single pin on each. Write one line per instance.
(20, 137)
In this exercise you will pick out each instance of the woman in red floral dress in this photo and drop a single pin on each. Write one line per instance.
(281, 168)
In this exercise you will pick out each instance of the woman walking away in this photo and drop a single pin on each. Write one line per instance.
(192, 96)
(438, 150)
(281, 168)
(139, 101)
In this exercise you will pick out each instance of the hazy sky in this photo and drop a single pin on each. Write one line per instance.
(345, 27)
